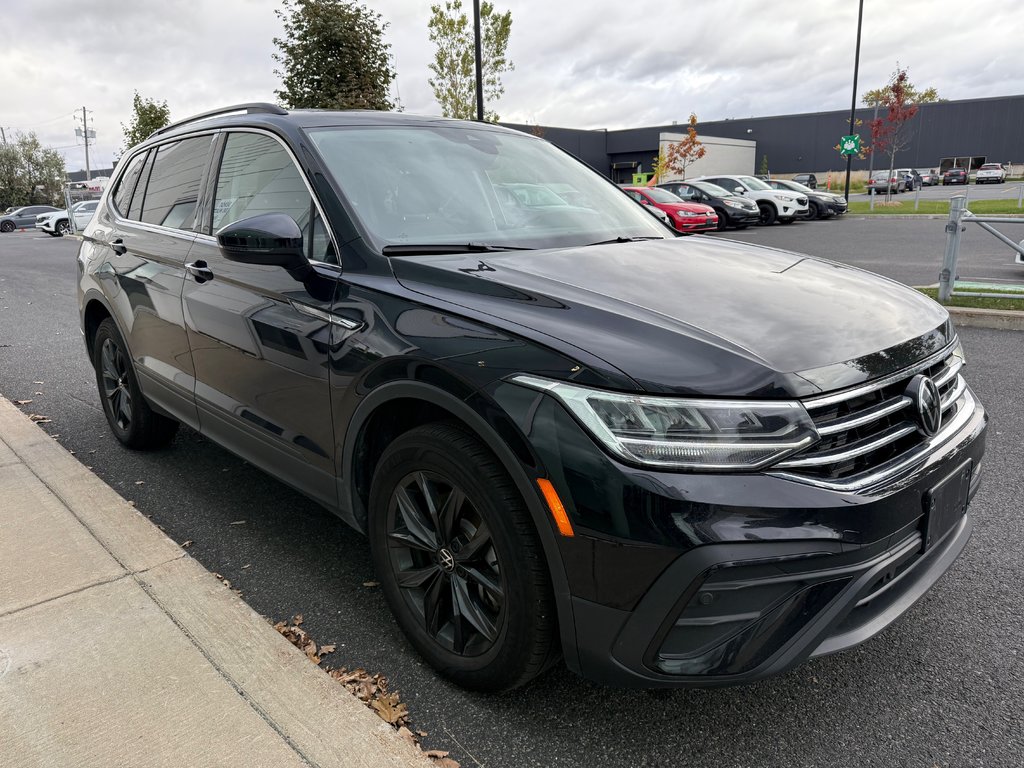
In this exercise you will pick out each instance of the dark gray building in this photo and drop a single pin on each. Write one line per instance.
(982, 128)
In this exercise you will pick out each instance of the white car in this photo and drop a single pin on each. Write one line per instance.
(57, 223)
(990, 173)
(773, 204)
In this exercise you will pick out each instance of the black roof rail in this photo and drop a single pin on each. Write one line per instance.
(254, 107)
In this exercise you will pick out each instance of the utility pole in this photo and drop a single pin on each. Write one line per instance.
(3, 135)
(86, 133)
(853, 104)
(479, 62)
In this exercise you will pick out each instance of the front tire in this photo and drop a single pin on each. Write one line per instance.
(131, 419)
(723, 220)
(7, 226)
(459, 560)
(768, 213)
(63, 228)
(813, 212)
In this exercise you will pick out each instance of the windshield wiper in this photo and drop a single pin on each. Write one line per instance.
(621, 239)
(429, 249)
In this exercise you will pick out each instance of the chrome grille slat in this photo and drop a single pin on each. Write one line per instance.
(868, 433)
(834, 426)
(835, 456)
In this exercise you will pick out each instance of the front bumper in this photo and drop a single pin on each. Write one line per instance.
(689, 580)
(740, 216)
(695, 223)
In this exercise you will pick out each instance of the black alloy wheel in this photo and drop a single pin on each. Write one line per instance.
(7, 226)
(131, 419)
(768, 214)
(459, 560)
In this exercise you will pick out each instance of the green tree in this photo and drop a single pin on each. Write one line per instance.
(333, 56)
(30, 174)
(878, 97)
(764, 165)
(454, 80)
(147, 116)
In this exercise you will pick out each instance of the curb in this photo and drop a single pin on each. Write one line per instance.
(316, 721)
(999, 319)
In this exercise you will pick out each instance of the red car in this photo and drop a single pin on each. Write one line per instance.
(683, 216)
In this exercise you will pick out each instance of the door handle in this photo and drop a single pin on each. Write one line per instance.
(200, 271)
(118, 247)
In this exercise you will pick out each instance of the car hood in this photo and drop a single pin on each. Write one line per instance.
(697, 315)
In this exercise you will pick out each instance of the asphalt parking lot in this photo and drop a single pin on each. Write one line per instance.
(942, 687)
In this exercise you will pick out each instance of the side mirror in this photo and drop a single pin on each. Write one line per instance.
(270, 239)
(739, 190)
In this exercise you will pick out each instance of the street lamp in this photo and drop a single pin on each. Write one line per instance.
(853, 100)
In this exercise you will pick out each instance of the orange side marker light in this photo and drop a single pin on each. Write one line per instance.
(555, 506)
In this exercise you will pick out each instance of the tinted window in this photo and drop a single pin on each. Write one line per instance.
(257, 176)
(122, 195)
(173, 188)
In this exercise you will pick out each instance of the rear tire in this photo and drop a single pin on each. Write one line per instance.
(131, 419)
(459, 560)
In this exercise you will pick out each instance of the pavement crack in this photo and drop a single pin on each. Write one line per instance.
(70, 592)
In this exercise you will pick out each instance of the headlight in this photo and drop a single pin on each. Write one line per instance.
(787, 198)
(734, 204)
(685, 433)
(682, 214)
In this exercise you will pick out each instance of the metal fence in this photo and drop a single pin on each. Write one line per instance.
(959, 217)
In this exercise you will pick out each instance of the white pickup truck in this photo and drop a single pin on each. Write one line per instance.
(773, 204)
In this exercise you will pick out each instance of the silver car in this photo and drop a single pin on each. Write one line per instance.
(24, 217)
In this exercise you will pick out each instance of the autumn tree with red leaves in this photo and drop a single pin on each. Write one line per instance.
(678, 155)
(891, 133)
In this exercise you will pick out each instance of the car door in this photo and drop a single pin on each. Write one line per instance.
(148, 227)
(260, 338)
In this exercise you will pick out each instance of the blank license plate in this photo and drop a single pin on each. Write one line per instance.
(946, 503)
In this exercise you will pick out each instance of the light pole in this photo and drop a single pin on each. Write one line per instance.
(479, 64)
(853, 101)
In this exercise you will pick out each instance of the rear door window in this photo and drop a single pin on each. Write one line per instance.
(173, 188)
(122, 195)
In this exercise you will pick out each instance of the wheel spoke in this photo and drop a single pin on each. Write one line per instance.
(402, 539)
(458, 636)
(471, 611)
(125, 407)
(107, 357)
(449, 513)
(414, 521)
(484, 580)
(433, 605)
(481, 538)
(428, 499)
(415, 578)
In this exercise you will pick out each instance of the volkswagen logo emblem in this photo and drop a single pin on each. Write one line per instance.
(446, 559)
(924, 396)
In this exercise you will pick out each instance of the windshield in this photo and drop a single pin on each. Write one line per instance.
(795, 186)
(712, 189)
(456, 184)
(662, 195)
(753, 183)
(991, 167)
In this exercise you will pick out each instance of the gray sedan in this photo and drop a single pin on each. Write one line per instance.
(24, 217)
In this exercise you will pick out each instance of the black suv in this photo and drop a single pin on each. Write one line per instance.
(563, 430)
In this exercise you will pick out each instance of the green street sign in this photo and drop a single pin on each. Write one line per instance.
(849, 145)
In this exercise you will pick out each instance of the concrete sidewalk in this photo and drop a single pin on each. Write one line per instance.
(118, 649)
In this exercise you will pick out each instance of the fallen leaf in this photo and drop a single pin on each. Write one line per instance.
(325, 649)
(247, 565)
(447, 762)
(371, 583)
(406, 734)
(237, 522)
(140, 482)
(38, 419)
(38, 382)
(390, 709)
(37, 393)
(22, 402)
(422, 734)
(297, 620)
(436, 753)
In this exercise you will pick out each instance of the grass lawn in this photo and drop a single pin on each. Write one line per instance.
(903, 207)
(978, 302)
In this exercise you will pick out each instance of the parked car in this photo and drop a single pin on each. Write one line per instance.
(880, 182)
(954, 176)
(733, 210)
(773, 205)
(676, 461)
(683, 216)
(990, 173)
(820, 204)
(808, 180)
(23, 218)
(57, 223)
(912, 180)
(929, 177)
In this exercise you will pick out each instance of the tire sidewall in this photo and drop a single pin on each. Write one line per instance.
(107, 330)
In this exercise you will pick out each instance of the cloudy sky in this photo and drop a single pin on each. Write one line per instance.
(579, 63)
